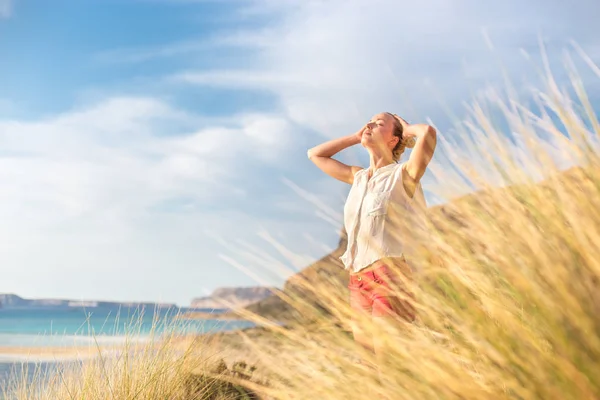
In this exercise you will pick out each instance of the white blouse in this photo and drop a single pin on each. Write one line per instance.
(378, 215)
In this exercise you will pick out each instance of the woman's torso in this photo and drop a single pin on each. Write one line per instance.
(379, 217)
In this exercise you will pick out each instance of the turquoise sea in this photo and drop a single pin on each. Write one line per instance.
(64, 327)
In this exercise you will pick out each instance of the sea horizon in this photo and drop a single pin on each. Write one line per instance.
(58, 326)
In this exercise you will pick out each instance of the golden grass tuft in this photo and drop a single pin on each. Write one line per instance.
(167, 365)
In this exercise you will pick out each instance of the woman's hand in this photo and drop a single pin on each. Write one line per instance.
(360, 132)
(402, 122)
(409, 137)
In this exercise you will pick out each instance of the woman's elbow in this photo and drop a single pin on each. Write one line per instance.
(430, 131)
(430, 137)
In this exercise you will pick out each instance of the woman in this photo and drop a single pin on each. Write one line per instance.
(378, 214)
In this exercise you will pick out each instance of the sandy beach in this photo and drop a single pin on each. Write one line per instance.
(44, 354)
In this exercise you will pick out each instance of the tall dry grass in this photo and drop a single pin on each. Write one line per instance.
(166, 363)
(508, 282)
(507, 289)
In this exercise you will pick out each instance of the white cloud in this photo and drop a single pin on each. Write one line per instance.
(111, 188)
(255, 136)
(87, 156)
(332, 64)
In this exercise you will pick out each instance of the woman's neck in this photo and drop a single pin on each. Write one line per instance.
(380, 160)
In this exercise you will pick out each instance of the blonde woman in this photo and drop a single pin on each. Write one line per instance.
(378, 213)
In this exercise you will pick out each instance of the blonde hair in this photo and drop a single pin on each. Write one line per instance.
(403, 143)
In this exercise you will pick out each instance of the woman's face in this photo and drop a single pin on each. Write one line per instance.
(379, 132)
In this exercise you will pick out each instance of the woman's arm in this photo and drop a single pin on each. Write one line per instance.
(321, 156)
(422, 153)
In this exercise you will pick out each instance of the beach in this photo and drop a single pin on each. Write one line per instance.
(11, 354)
(18, 364)
(40, 339)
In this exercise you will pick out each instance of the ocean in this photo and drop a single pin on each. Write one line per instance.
(31, 328)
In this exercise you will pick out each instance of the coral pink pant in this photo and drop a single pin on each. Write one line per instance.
(381, 292)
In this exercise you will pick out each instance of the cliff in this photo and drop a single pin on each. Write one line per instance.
(326, 274)
(232, 297)
(12, 300)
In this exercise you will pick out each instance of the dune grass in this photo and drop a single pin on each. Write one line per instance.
(507, 289)
(508, 282)
(162, 366)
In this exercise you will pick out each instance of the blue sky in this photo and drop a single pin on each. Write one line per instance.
(155, 150)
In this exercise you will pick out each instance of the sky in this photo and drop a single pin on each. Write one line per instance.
(155, 150)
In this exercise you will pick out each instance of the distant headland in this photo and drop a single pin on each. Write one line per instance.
(8, 301)
(220, 299)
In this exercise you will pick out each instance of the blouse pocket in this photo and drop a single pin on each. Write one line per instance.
(378, 204)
